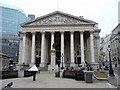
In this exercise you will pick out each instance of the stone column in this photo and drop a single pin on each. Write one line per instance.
(52, 40)
(62, 47)
(53, 52)
(23, 48)
(98, 47)
(27, 47)
(20, 49)
(33, 49)
(22, 54)
(42, 50)
(92, 47)
(53, 67)
(82, 47)
(72, 49)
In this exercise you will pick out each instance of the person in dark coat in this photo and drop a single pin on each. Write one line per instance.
(34, 75)
(80, 72)
(72, 68)
(79, 75)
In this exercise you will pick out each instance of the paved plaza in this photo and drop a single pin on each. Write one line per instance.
(48, 80)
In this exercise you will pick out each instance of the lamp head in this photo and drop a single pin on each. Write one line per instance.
(109, 49)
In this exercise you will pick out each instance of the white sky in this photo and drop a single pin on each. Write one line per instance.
(104, 12)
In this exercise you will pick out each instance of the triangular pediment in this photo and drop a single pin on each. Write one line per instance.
(58, 18)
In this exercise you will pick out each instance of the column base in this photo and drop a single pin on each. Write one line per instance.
(42, 65)
(20, 70)
(20, 73)
(22, 67)
(94, 65)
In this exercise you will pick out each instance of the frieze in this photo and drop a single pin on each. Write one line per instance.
(56, 20)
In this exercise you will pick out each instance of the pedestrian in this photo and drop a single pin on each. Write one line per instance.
(39, 71)
(80, 72)
(97, 69)
(72, 68)
(34, 75)
(34, 70)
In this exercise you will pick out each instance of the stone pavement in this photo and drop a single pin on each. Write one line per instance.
(48, 80)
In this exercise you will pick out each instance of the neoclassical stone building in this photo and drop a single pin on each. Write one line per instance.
(59, 37)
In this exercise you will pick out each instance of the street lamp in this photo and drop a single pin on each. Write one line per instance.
(110, 70)
(62, 61)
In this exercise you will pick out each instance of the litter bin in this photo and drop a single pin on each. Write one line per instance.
(88, 76)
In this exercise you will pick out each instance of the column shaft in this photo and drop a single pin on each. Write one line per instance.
(20, 50)
(62, 46)
(92, 47)
(72, 48)
(23, 48)
(98, 47)
(42, 49)
(33, 49)
(52, 40)
(53, 53)
(82, 47)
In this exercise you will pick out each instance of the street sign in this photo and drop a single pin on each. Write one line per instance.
(33, 68)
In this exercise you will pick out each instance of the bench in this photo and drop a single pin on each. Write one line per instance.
(9, 74)
(73, 75)
(79, 77)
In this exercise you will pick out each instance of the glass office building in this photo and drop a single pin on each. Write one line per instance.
(10, 20)
(31, 16)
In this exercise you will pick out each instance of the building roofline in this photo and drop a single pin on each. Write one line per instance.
(59, 12)
(116, 27)
(12, 7)
(4, 54)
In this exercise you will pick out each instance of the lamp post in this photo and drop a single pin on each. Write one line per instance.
(62, 61)
(110, 70)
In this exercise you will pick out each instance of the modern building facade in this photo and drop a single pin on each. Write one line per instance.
(10, 45)
(30, 17)
(11, 18)
(58, 37)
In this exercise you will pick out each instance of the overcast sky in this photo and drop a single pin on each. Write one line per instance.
(104, 12)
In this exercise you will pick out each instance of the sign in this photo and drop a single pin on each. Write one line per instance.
(33, 68)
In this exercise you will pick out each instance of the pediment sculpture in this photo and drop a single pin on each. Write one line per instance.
(57, 19)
